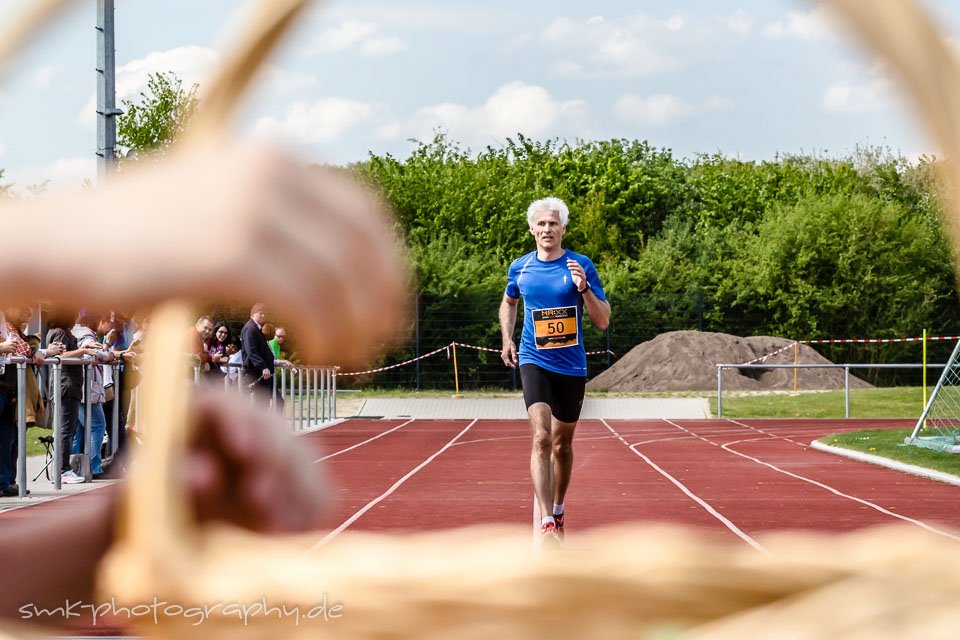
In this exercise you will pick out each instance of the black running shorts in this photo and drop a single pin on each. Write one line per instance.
(563, 393)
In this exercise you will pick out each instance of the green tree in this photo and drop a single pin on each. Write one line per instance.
(159, 117)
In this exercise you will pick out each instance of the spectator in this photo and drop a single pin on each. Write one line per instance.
(257, 356)
(71, 388)
(216, 346)
(89, 324)
(15, 343)
(199, 338)
(234, 358)
(276, 344)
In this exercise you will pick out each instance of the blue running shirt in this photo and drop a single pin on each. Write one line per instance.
(553, 311)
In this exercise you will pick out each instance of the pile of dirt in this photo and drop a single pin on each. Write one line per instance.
(686, 361)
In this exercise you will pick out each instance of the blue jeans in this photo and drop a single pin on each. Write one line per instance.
(8, 443)
(98, 428)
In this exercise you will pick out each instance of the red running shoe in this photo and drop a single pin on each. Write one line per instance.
(559, 520)
(549, 536)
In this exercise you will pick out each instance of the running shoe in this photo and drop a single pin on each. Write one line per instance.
(549, 536)
(559, 520)
(69, 477)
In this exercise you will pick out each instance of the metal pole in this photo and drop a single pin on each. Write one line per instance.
(87, 417)
(115, 431)
(107, 111)
(609, 350)
(283, 391)
(323, 394)
(333, 415)
(57, 401)
(300, 398)
(308, 372)
(846, 392)
(416, 332)
(316, 393)
(719, 391)
(21, 428)
(273, 391)
(196, 374)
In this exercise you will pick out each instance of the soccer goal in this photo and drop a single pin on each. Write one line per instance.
(939, 425)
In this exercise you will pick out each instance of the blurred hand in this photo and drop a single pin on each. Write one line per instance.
(246, 469)
(329, 265)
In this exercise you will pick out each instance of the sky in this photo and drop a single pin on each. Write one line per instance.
(749, 79)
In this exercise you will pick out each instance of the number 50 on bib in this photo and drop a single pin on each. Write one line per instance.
(555, 328)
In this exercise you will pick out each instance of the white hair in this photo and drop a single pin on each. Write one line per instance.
(548, 204)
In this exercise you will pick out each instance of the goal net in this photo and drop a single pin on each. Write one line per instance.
(939, 425)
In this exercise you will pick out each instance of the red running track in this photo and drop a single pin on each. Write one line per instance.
(728, 479)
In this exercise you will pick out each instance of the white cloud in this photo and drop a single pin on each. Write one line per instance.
(281, 81)
(634, 45)
(740, 22)
(664, 109)
(513, 108)
(43, 76)
(815, 24)
(876, 93)
(314, 122)
(357, 34)
(191, 64)
(382, 46)
(855, 98)
(62, 175)
(2, 149)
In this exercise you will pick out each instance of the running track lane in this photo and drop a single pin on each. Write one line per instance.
(762, 476)
(362, 466)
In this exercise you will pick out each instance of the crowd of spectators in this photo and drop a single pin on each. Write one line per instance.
(103, 339)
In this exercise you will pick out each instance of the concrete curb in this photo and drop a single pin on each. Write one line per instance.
(888, 463)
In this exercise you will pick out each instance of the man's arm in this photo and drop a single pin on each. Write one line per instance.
(508, 321)
(597, 309)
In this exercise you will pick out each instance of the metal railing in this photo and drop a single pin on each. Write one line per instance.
(312, 391)
(312, 395)
(846, 375)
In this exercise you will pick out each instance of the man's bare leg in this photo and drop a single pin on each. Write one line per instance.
(541, 467)
(562, 438)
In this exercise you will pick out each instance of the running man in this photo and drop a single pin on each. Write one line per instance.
(556, 285)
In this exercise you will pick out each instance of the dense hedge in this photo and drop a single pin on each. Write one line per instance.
(801, 246)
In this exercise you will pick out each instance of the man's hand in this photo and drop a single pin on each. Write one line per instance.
(300, 219)
(54, 349)
(7, 346)
(509, 354)
(246, 469)
(578, 274)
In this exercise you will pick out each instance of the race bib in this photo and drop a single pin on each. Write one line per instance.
(555, 328)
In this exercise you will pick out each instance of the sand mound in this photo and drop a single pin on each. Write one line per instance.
(686, 361)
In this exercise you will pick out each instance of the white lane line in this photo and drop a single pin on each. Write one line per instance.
(506, 438)
(872, 505)
(767, 433)
(867, 503)
(360, 444)
(386, 494)
(706, 506)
